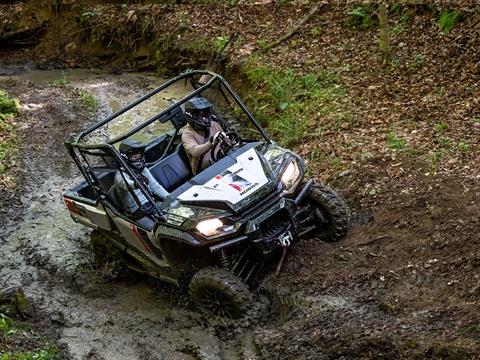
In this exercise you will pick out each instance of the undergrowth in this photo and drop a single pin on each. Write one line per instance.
(15, 336)
(88, 99)
(447, 20)
(293, 106)
(8, 141)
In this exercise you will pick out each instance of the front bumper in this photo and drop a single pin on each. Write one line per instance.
(270, 224)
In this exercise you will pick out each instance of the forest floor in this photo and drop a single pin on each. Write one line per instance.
(400, 142)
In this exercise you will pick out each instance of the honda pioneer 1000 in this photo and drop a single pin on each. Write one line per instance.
(216, 230)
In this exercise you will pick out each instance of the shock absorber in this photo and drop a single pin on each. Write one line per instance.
(224, 259)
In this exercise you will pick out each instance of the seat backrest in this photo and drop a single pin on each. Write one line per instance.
(173, 170)
(113, 195)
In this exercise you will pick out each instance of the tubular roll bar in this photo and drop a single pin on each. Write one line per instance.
(74, 143)
(187, 76)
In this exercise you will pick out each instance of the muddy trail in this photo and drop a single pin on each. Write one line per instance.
(403, 284)
(93, 313)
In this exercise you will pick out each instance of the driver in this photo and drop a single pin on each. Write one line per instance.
(201, 134)
(137, 206)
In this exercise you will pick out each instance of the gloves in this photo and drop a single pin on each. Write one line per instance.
(219, 136)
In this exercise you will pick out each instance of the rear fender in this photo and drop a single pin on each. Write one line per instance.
(90, 215)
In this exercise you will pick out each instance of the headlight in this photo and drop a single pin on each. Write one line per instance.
(209, 227)
(215, 227)
(291, 176)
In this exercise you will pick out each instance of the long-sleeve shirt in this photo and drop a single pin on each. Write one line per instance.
(123, 190)
(197, 143)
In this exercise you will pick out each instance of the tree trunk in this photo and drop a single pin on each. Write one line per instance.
(384, 40)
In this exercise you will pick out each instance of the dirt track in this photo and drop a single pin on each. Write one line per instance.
(404, 285)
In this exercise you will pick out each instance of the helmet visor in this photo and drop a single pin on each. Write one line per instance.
(135, 156)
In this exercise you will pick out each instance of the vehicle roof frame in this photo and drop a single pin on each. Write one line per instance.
(187, 76)
(74, 143)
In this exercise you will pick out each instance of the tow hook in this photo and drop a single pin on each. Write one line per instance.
(285, 241)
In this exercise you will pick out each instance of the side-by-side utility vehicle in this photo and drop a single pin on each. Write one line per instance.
(217, 231)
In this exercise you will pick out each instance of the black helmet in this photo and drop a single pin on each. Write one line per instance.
(130, 149)
(199, 112)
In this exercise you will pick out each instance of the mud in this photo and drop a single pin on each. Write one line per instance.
(403, 285)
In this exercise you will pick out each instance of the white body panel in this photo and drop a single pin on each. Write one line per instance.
(240, 180)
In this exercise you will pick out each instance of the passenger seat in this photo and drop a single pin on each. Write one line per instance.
(173, 170)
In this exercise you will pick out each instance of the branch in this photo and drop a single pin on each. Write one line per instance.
(292, 32)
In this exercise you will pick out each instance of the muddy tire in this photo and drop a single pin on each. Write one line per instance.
(100, 247)
(330, 208)
(107, 257)
(219, 292)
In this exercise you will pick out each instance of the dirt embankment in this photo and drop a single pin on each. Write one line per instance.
(404, 285)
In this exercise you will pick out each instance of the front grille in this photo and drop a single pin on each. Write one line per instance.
(275, 224)
(264, 201)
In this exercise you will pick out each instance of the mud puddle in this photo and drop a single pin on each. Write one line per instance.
(48, 255)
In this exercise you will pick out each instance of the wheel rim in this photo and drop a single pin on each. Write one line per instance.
(321, 218)
(217, 302)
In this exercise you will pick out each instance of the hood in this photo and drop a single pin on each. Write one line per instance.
(233, 185)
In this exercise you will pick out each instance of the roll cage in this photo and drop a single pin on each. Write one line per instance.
(80, 150)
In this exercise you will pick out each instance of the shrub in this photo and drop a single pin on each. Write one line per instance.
(8, 106)
(362, 16)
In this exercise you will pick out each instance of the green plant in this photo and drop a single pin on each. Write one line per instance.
(220, 42)
(60, 82)
(262, 44)
(43, 354)
(435, 157)
(447, 20)
(441, 126)
(8, 141)
(286, 101)
(365, 155)
(89, 100)
(418, 61)
(401, 25)
(445, 142)
(15, 331)
(396, 142)
(5, 324)
(463, 146)
(316, 31)
(8, 106)
(362, 16)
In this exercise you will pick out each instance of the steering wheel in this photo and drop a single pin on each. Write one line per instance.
(225, 145)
